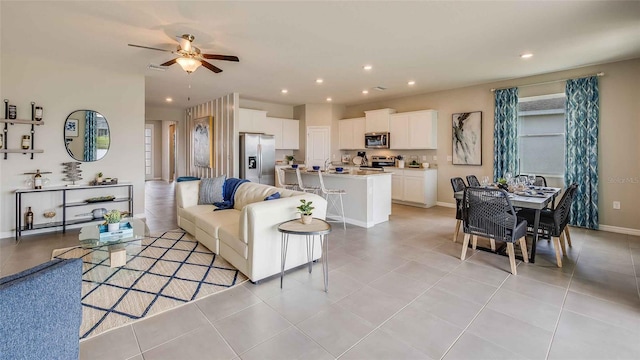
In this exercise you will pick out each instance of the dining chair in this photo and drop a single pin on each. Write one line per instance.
(281, 180)
(301, 187)
(330, 195)
(458, 185)
(489, 213)
(553, 223)
(472, 180)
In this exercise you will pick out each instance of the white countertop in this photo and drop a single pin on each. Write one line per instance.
(345, 174)
(393, 168)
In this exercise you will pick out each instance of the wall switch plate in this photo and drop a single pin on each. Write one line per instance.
(435, 157)
(449, 158)
(616, 205)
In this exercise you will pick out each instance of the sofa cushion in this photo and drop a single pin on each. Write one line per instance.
(249, 193)
(192, 212)
(230, 235)
(211, 190)
(209, 222)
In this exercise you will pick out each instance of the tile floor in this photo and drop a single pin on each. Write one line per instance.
(396, 291)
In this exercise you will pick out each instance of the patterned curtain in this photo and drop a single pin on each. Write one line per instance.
(505, 133)
(90, 136)
(582, 149)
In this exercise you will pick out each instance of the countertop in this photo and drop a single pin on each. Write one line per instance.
(393, 168)
(344, 174)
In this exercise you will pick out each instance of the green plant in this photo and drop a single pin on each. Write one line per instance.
(502, 181)
(305, 208)
(100, 174)
(113, 216)
(290, 158)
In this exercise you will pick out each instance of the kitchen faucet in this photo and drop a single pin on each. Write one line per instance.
(327, 164)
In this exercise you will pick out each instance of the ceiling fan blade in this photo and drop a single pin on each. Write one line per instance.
(170, 62)
(151, 48)
(220, 57)
(210, 67)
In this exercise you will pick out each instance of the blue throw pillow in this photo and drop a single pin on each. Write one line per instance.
(273, 196)
(211, 190)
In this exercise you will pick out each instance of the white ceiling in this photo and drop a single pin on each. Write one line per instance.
(440, 45)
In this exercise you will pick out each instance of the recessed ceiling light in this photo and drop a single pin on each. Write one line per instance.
(526, 55)
(367, 67)
(319, 81)
(284, 91)
(168, 99)
(410, 83)
(329, 99)
(365, 92)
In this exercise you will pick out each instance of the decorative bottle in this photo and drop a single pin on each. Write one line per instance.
(37, 180)
(1, 141)
(29, 219)
(26, 142)
(38, 113)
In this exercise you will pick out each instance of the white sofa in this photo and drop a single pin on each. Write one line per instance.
(247, 235)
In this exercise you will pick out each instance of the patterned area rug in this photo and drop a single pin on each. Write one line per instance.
(161, 273)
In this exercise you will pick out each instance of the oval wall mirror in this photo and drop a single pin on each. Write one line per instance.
(86, 135)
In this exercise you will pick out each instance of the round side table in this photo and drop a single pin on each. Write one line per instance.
(317, 227)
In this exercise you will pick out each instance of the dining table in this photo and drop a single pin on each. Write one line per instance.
(535, 198)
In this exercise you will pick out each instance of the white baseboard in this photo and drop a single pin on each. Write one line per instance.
(446, 204)
(620, 230)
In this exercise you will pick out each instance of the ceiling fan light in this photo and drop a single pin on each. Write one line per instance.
(188, 64)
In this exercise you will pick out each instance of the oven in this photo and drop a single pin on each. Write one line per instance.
(378, 140)
(382, 161)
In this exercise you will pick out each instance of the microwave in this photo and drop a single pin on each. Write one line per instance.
(378, 140)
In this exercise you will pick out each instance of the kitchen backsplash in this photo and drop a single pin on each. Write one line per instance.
(419, 155)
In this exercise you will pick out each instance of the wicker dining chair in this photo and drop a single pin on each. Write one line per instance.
(472, 180)
(488, 213)
(553, 223)
(458, 185)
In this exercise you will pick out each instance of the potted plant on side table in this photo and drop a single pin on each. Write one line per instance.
(112, 218)
(306, 211)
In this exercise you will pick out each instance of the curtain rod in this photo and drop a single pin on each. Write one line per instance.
(549, 82)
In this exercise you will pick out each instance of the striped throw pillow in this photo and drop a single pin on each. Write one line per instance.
(211, 190)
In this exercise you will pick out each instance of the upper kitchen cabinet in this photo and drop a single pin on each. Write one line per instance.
(351, 134)
(414, 130)
(290, 134)
(378, 120)
(252, 121)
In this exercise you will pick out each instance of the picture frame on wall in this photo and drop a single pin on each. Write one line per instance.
(202, 137)
(71, 128)
(467, 138)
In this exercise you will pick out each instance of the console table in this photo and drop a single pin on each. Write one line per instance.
(64, 190)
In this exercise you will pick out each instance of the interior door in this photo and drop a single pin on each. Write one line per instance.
(148, 152)
(318, 145)
(172, 152)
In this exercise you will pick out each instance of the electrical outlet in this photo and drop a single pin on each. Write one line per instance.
(424, 157)
(616, 205)
(435, 157)
(449, 158)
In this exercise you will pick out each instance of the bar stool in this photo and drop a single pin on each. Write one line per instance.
(332, 199)
(301, 187)
(281, 180)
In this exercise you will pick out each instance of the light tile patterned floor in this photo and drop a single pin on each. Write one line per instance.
(396, 291)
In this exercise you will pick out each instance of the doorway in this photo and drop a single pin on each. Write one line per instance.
(172, 152)
(318, 148)
(148, 152)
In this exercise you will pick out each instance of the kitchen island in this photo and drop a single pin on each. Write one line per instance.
(368, 198)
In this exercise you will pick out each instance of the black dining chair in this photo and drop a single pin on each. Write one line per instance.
(458, 185)
(540, 180)
(472, 180)
(553, 223)
(489, 213)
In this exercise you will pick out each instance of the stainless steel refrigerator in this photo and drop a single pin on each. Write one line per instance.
(258, 158)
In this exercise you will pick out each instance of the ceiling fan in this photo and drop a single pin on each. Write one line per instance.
(190, 58)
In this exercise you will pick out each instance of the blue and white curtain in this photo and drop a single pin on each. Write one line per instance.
(90, 136)
(505, 133)
(583, 118)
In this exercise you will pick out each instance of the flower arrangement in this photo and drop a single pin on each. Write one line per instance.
(113, 217)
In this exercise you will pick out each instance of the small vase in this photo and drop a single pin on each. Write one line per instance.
(306, 219)
(291, 162)
(98, 179)
(113, 227)
(400, 164)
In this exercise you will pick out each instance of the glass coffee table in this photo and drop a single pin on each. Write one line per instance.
(116, 245)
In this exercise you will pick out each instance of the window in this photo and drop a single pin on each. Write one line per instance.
(541, 134)
(148, 134)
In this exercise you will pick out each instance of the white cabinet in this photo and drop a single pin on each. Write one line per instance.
(414, 130)
(378, 120)
(414, 187)
(351, 134)
(290, 134)
(252, 121)
(273, 126)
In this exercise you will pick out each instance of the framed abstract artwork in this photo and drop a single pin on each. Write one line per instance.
(71, 128)
(203, 142)
(467, 138)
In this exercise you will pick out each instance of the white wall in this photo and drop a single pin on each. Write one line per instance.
(273, 110)
(61, 89)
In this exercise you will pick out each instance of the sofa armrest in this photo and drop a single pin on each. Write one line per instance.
(187, 193)
(257, 217)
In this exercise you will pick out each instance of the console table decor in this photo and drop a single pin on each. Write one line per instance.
(65, 204)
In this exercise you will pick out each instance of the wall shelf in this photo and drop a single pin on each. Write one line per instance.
(5, 132)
